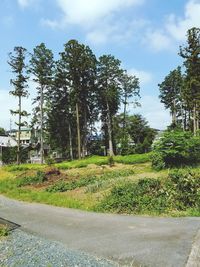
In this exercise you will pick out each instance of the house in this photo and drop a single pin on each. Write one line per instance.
(25, 135)
(6, 141)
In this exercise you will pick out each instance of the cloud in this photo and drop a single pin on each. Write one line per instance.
(154, 112)
(177, 27)
(102, 21)
(120, 32)
(24, 3)
(8, 102)
(27, 3)
(174, 28)
(144, 76)
(157, 40)
(86, 13)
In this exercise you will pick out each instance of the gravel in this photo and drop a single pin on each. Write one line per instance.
(22, 249)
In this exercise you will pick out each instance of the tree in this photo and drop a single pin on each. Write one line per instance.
(109, 75)
(171, 93)
(2, 131)
(80, 64)
(19, 68)
(60, 117)
(191, 55)
(130, 88)
(41, 66)
(139, 135)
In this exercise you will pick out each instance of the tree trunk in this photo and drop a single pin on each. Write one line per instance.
(70, 141)
(174, 113)
(41, 125)
(19, 133)
(124, 119)
(111, 153)
(78, 131)
(85, 135)
(194, 120)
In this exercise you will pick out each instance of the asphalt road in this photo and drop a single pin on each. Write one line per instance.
(127, 240)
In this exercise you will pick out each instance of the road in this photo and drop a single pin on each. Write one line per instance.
(127, 240)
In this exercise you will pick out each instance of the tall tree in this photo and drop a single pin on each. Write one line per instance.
(191, 55)
(19, 68)
(80, 64)
(109, 75)
(130, 90)
(41, 66)
(171, 93)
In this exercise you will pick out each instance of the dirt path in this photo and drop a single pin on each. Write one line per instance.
(136, 240)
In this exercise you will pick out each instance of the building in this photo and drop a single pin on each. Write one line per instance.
(25, 136)
(6, 141)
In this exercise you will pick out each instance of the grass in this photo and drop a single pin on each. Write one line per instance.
(86, 184)
(3, 230)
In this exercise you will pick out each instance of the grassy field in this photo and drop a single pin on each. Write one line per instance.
(88, 184)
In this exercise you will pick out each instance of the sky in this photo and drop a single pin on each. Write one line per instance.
(144, 34)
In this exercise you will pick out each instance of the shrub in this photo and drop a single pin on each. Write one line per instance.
(4, 230)
(176, 148)
(157, 161)
(39, 178)
(181, 191)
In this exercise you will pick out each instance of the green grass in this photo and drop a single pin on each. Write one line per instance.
(62, 186)
(82, 163)
(91, 184)
(4, 231)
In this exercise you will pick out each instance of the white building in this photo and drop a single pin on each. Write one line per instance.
(6, 141)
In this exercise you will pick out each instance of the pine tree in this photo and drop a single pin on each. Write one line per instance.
(80, 64)
(41, 66)
(109, 75)
(19, 68)
(191, 55)
(171, 93)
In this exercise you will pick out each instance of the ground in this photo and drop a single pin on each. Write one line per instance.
(125, 240)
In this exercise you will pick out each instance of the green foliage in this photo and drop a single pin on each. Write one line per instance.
(133, 137)
(111, 161)
(49, 161)
(133, 159)
(4, 230)
(62, 186)
(181, 191)
(157, 161)
(176, 148)
(39, 178)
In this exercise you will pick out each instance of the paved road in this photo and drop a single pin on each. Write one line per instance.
(130, 240)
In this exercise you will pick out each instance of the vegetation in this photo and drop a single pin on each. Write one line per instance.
(19, 68)
(4, 231)
(180, 91)
(176, 148)
(129, 187)
(179, 192)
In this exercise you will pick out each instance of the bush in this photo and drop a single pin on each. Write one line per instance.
(39, 178)
(181, 191)
(176, 148)
(157, 161)
(4, 230)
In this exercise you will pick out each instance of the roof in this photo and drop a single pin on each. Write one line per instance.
(7, 141)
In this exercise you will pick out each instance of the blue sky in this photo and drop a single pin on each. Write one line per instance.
(144, 34)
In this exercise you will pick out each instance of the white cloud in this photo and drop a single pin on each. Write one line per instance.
(177, 27)
(24, 3)
(174, 29)
(86, 13)
(154, 112)
(119, 31)
(8, 102)
(100, 20)
(144, 76)
(158, 40)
